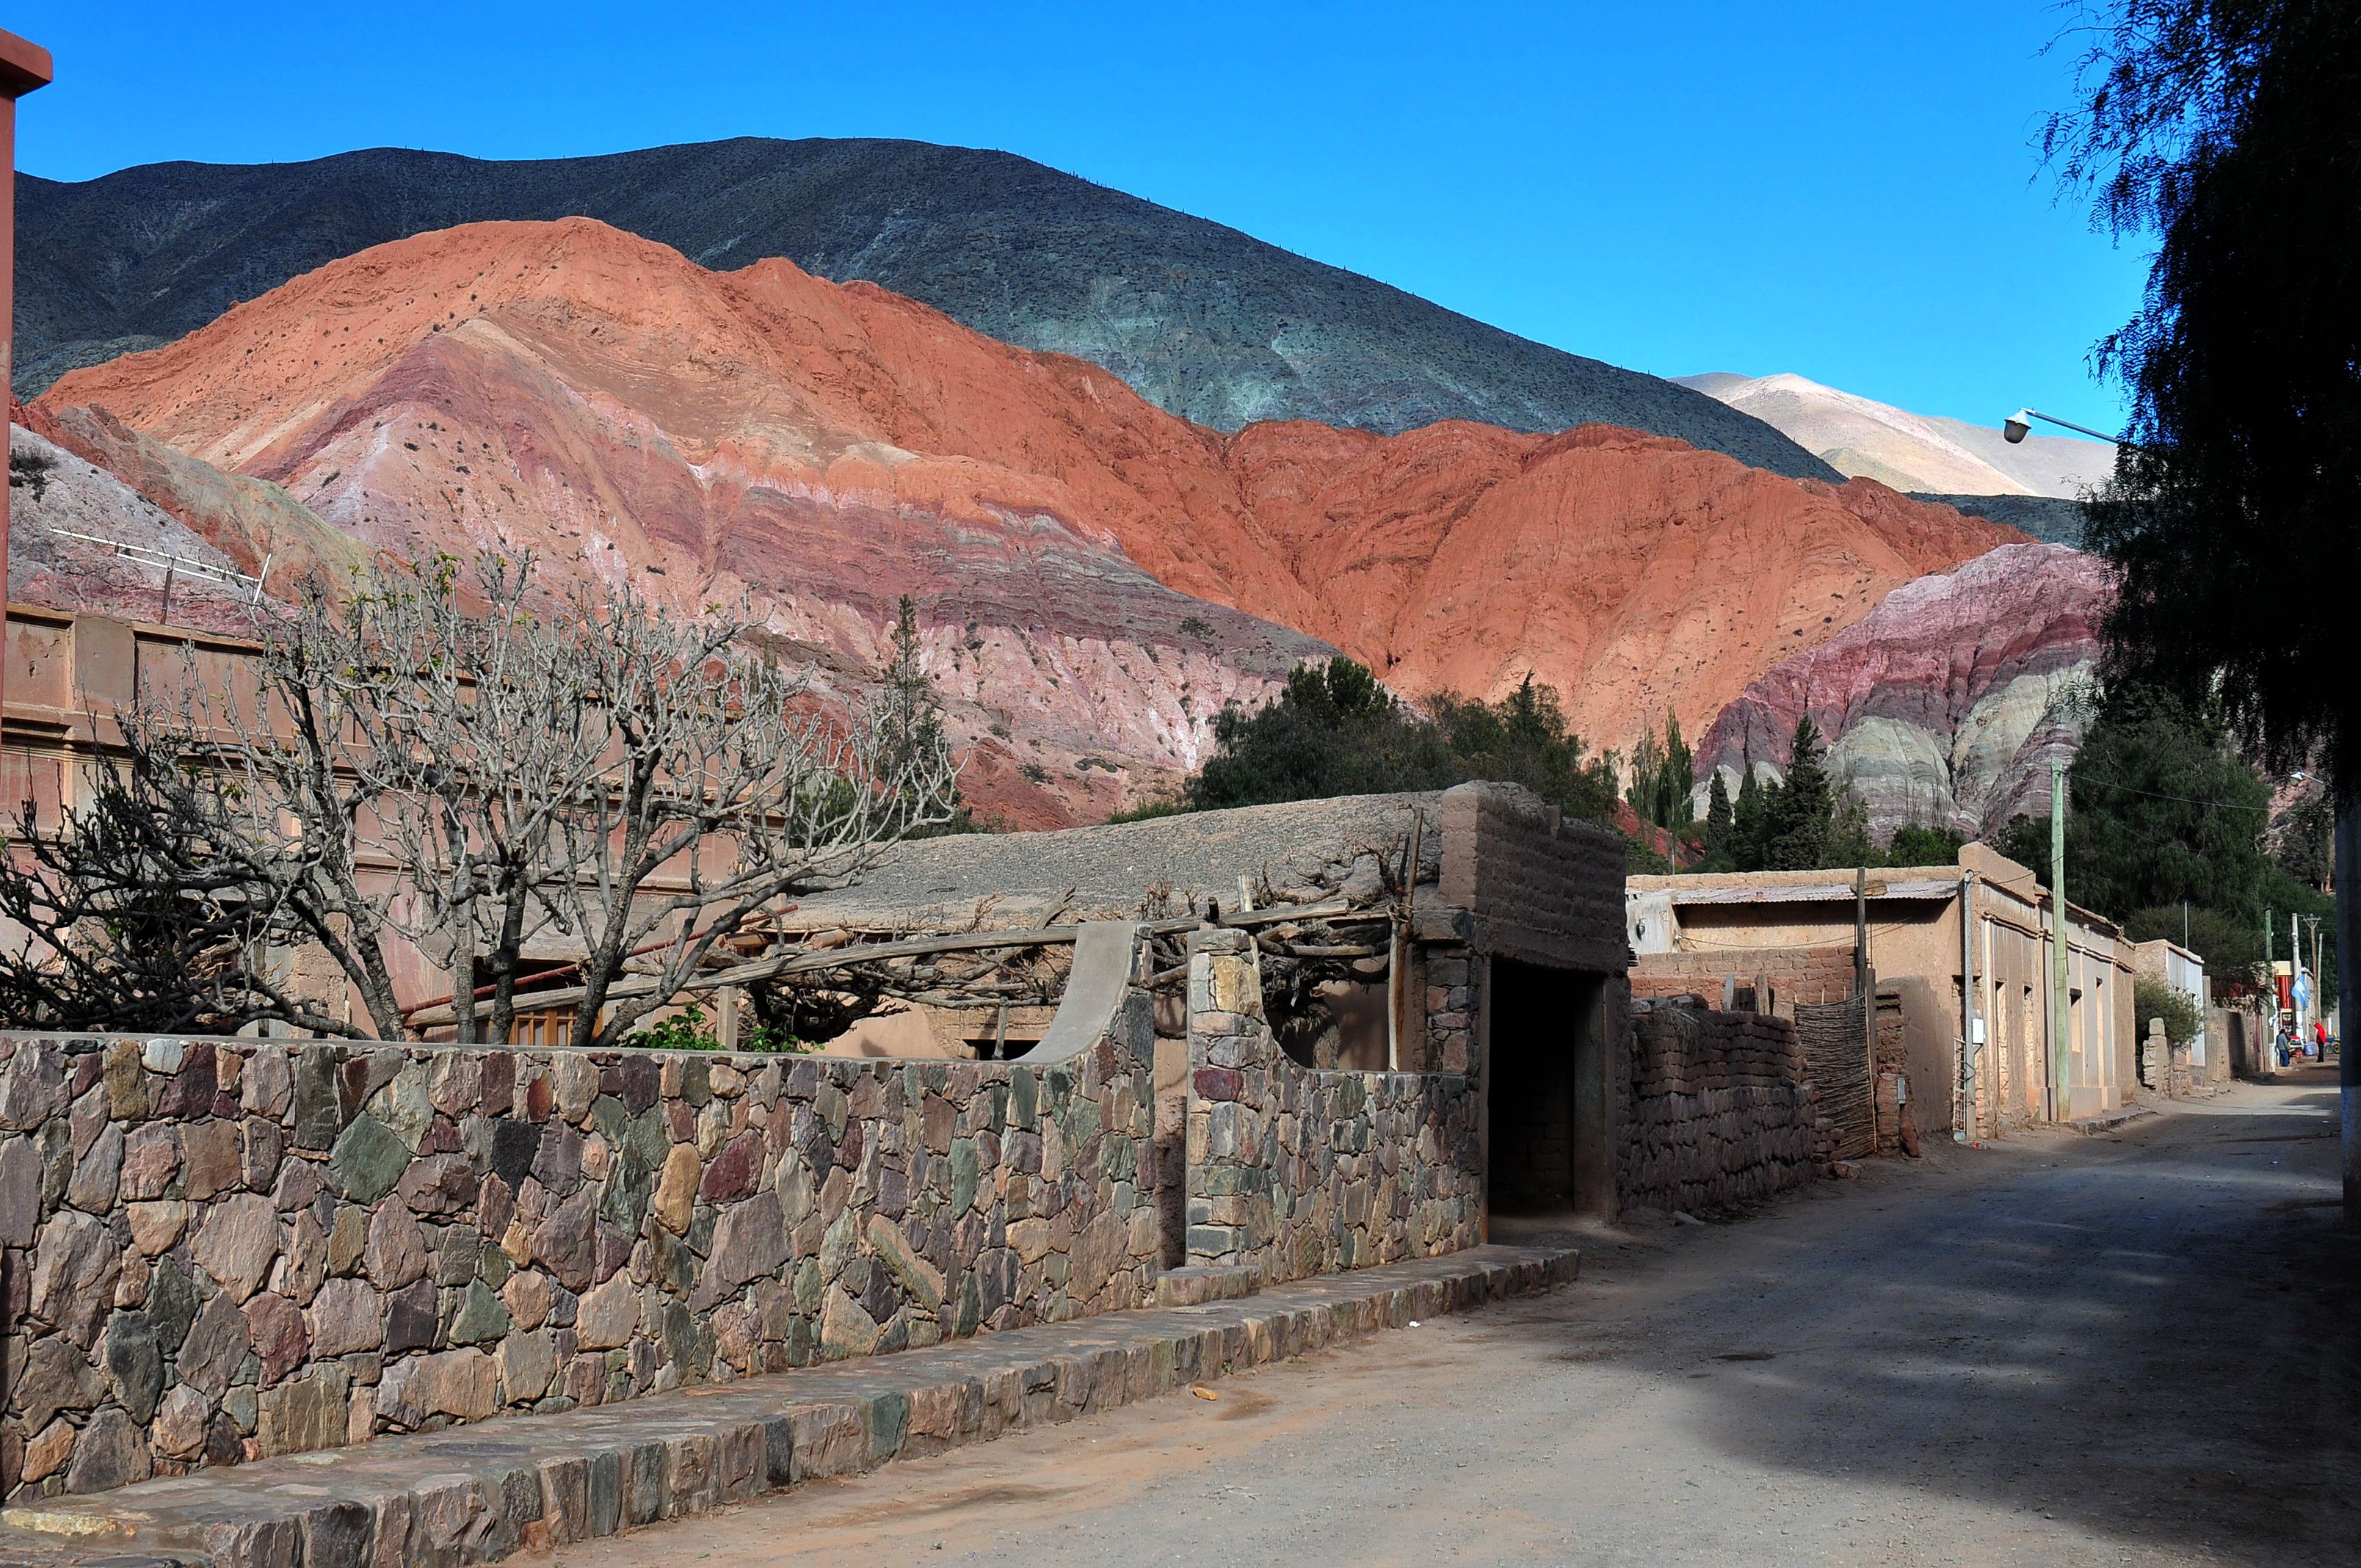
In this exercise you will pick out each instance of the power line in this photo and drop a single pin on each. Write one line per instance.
(2183, 799)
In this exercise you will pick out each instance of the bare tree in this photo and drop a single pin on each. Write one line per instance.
(727, 785)
(119, 919)
(472, 728)
(460, 762)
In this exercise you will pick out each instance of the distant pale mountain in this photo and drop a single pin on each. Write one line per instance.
(1917, 453)
(1202, 321)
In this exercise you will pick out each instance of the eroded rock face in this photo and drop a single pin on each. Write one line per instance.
(1944, 704)
(1099, 576)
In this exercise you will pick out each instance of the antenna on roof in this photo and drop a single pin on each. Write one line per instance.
(172, 566)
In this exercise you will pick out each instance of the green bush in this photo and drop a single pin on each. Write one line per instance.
(2152, 998)
(1335, 729)
(685, 1031)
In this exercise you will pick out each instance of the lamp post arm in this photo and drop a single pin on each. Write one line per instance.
(2077, 428)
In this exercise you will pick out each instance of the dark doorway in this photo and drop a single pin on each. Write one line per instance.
(1546, 1087)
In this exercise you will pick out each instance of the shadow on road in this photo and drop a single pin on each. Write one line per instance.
(2150, 1334)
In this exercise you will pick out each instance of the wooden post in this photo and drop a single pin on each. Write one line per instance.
(23, 67)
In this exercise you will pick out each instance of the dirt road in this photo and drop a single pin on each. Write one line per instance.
(2061, 1350)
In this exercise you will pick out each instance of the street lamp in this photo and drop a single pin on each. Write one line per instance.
(2019, 425)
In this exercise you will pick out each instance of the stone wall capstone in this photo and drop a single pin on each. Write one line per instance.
(1294, 1171)
(1717, 1108)
(218, 1250)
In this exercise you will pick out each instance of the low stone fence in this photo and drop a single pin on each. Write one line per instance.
(1718, 1108)
(222, 1249)
(1294, 1171)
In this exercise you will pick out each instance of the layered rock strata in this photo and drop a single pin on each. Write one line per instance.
(1101, 577)
(1946, 704)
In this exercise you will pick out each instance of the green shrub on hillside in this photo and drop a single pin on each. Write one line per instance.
(1335, 729)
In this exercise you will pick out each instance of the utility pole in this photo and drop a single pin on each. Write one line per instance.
(2348, 957)
(2061, 1025)
(2271, 981)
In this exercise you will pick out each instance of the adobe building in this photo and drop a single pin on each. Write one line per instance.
(2205, 1059)
(1959, 956)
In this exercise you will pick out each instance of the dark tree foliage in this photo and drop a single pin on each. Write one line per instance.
(1720, 827)
(2230, 131)
(2305, 849)
(1333, 729)
(1799, 813)
(1748, 821)
(1664, 779)
(1917, 844)
(2162, 814)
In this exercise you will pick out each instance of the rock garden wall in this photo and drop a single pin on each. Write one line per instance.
(1716, 1109)
(1294, 1171)
(217, 1250)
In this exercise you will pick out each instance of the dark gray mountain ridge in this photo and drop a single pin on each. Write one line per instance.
(1202, 320)
(2046, 518)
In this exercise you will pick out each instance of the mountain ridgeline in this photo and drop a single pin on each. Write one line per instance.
(1201, 320)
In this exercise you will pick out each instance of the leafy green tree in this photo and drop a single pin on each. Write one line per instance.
(2161, 809)
(1335, 729)
(1646, 759)
(1664, 779)
(1917, 844)
(2230, 131)
(2152, 998)
(2166, 831)
(2305, 849)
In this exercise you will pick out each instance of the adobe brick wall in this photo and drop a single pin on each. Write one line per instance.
(1295, 1171)
(1543, 889)
(1716, 1108)
(1795, 974)
(225, 1249)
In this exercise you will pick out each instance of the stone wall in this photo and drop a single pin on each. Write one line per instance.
(222, 1249)
(1293, 1172)
(1717, 1108)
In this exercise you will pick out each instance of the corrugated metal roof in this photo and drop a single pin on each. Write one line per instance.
(1816, 893)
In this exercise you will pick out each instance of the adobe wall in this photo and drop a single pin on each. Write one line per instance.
(1294, 1171)
(1717, 1108)
(1795, 974)
(223, 1249)
(1540, 887)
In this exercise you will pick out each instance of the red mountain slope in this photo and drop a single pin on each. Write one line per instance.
(606, 402)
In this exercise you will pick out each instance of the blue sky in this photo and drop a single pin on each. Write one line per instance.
(1844, 190)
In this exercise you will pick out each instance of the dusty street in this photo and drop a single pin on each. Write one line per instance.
(2061, 1350)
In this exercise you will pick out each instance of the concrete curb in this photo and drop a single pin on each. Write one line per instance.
(480, 1493)
(2110, 1120)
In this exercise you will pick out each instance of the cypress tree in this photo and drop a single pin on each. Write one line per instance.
(1718, 826)
(1645, 762)
(1676, 780)
(1802, 821)
(1747, 814)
